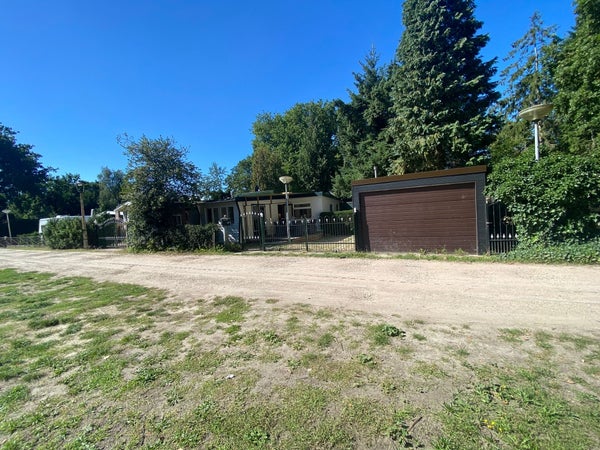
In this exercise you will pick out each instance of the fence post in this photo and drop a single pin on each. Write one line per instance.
(261, 222)
(357, 225)
(306, 232)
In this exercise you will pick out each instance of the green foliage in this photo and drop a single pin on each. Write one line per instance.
(299, 143)
(63, 233)
(552, 200)
(22, 175)
(239, 179)
(159, 181)
(528, 80)
(362, 143)
(577, 253)
(110, 183)
(578, 81)
(441, 88)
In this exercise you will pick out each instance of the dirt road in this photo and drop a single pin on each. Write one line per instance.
(478, 294)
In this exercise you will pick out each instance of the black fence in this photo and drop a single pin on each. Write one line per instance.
(334, 234)
(502, 232)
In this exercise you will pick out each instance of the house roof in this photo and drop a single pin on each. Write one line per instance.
(420, 175)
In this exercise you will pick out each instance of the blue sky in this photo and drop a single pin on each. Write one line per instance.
(77, 73)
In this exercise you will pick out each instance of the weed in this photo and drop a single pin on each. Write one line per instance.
(325, 340)
(367, 360)
(380, 334)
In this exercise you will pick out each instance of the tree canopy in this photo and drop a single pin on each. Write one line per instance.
(442, 90)
(578, 81)
(159, 178)
(22, 175)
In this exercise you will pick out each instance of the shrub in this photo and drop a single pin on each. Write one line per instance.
(63, 233)
(553, 200)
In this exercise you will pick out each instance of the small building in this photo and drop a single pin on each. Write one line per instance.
(442, 210)
(244, 211)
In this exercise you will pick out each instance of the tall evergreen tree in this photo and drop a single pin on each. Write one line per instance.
(578, 81)
(528, 79)
(441, 88)
(362, 142)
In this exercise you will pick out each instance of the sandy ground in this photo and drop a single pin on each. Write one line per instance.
(479, 294)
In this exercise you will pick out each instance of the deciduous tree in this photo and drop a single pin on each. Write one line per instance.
(159, 179)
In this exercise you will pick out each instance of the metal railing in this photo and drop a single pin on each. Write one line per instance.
(502, 232)
(318, 235)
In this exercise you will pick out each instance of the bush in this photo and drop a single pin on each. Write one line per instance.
(587, 253)
(63, 233)
(200, 236)
(553, 200)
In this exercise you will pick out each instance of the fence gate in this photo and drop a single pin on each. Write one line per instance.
(112, 233)
(502, 232)
(329, 234)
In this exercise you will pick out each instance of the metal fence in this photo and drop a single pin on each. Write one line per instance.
(28, 240)
(112, 233)
(502, 232)
(310, 235)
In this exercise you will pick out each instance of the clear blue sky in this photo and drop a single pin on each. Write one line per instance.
(77, 73)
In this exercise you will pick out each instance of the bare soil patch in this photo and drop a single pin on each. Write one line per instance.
(475, 294)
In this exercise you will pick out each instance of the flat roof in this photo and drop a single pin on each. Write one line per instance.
(420, 175)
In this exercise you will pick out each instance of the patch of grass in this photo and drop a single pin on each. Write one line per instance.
(325, 340)
(380, 334)
(579, 342)
(512, 335)
(429, 370)
(233, 309)
(543, 340)
(125, 369)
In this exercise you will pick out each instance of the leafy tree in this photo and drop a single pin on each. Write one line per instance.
(110, 184)
(441, 88)
(63, 233)
(158, 180)
(214, 183)
(362, 142)
(266, 167)
(578, 81)
(529, 81)
(22, 175)
(239, 179)
(61, 196)
(300, 143)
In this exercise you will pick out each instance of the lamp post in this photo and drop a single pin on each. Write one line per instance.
(7, 212)
(287, 180)
(83, 226)
(534, 114)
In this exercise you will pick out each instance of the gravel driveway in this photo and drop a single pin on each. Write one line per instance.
(478, 294)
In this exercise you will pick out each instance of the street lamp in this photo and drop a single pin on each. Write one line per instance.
(7, 212)
(534, 114)
(287, 180)
(83, 226)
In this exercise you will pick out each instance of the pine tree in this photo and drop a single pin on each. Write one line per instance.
(578, 81)
(441, 88)
(361, 123)
(529, 81)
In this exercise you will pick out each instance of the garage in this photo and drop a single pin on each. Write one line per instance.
(429, 211)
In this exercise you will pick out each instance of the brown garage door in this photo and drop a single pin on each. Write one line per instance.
(430, 218)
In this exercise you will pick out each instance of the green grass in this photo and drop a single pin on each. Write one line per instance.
(102, 365)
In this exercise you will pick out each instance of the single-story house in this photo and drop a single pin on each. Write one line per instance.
(242, 212)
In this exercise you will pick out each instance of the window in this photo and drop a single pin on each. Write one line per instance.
(302, 210)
